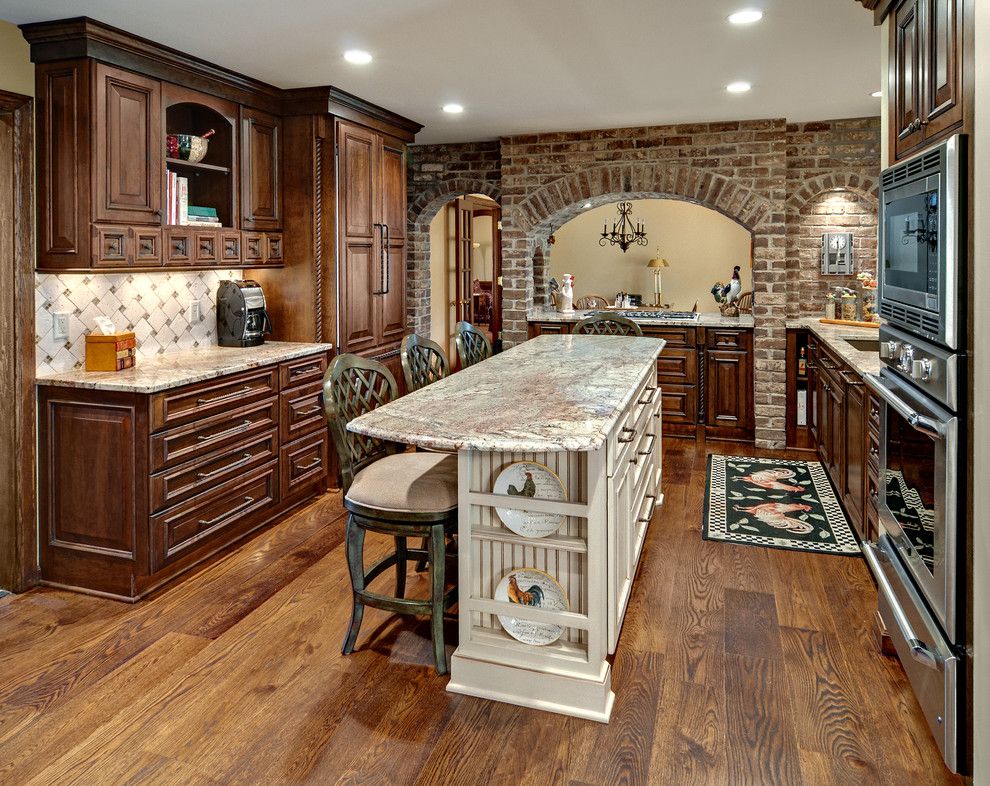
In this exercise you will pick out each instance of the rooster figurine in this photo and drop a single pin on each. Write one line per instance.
(528, 489)
(728, 293)
(531, 597)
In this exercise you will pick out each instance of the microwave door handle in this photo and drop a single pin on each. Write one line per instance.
(922, 423)
(920, 651)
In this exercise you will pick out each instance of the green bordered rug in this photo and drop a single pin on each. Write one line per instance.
(781, 504)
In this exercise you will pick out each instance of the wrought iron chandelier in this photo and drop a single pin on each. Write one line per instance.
(624, 231)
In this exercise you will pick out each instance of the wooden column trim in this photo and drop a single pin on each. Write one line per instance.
(19, 566)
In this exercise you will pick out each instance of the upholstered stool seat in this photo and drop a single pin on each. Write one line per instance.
(406, 483)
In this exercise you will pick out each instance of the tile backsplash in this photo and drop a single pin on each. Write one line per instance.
(154, 305)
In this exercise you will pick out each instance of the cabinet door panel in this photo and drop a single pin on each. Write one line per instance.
(943, 71)
(392, 305)
(359, 278)
(394, 192)
(128, 169)
(854, 451)
(728, 395)
(260, 181)
(907, 76)
(358, 183)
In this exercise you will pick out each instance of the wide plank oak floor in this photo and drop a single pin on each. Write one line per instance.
(737, 665)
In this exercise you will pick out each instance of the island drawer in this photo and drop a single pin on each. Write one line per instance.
(298, 372)
(303, 463)
(195, 402)
(631, 425)
(187, 442)
(181, 527)
(175, 485)
(301, 412)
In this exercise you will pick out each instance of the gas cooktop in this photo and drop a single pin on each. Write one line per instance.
(643, 314)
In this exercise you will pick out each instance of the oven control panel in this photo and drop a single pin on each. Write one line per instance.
(931, 368)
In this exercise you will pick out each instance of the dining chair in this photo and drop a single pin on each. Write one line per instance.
(473, 346)
(586, 302)
(745, 303)
(390, 492)
(607, 325)
(423, 362)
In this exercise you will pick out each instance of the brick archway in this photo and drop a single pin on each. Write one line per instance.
(526, 224)
(422, 210)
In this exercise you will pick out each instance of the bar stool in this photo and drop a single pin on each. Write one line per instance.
(391, 492)
(423, 362)
(473, 346)
(607, 325)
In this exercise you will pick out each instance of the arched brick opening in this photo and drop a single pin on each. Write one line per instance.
(526, 223)
(422, 210)
(810, 212)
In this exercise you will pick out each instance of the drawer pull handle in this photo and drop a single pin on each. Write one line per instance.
(312, 465)
(626, 430)
(248, 501)
(311, 411)
(203, 401)
(653, 395)
(298, 372)
(653, 507)
(227, 432)
(855, 382)
(649, 450)
(244, 459)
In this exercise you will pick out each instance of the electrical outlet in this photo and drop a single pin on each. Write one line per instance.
(60, 325)
(195, 311)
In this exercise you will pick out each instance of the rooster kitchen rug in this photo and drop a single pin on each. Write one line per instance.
(775, 503)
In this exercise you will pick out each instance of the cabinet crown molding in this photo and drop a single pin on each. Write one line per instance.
(326, 99)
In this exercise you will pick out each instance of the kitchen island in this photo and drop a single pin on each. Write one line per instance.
(587, 408)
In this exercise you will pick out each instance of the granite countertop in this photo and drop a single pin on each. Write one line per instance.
(544, 314)
(175, 369)
(553, 393)
(863, 363)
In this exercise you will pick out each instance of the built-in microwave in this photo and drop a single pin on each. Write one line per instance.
(921, 247)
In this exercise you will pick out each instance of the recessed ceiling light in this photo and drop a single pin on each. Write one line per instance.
(876, 94)
(453, 109)
(739, 87)
(358, 56)
(746, 16)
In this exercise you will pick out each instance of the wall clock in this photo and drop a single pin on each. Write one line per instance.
(837, 258)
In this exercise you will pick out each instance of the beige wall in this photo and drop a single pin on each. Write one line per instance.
(701, 245)
(16, 69)
(981, 398)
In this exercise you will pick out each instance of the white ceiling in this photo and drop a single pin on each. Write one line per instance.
(522, 66)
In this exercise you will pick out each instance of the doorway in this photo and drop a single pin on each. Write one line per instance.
(466, 269)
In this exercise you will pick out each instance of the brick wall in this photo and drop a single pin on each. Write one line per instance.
(832, 170)
(779, 181)
(437, 174)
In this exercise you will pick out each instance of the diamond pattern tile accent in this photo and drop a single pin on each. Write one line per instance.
(153, 305)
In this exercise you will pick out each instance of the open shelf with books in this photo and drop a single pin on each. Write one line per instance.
(201, 193)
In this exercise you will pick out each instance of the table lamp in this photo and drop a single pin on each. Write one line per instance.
(657, 264)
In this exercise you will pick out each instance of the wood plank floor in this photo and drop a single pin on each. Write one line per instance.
(737, 665)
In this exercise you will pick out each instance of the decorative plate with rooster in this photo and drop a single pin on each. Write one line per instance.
(531, 587)
(537, 481)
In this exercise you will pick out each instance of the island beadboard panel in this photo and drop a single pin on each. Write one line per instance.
(153, 305)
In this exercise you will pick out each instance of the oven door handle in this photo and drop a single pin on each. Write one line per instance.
(920, 651)
(926, 425)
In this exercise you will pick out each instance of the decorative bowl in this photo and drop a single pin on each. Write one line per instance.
(186, 147)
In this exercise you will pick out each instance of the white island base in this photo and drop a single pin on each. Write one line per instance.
(612, 494)
(588, 408)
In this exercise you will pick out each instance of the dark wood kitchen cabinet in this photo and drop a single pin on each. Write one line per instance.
(137, 488)
(853, 485)
(261, 199)
(728, 385)
(927, 79)
(106, 101)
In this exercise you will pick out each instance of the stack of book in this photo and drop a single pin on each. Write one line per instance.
(180, 212)
(202, 216)
(176, 198)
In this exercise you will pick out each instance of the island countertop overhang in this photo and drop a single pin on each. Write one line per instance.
(552, 393)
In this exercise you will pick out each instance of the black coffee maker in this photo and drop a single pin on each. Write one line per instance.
(242, 320)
